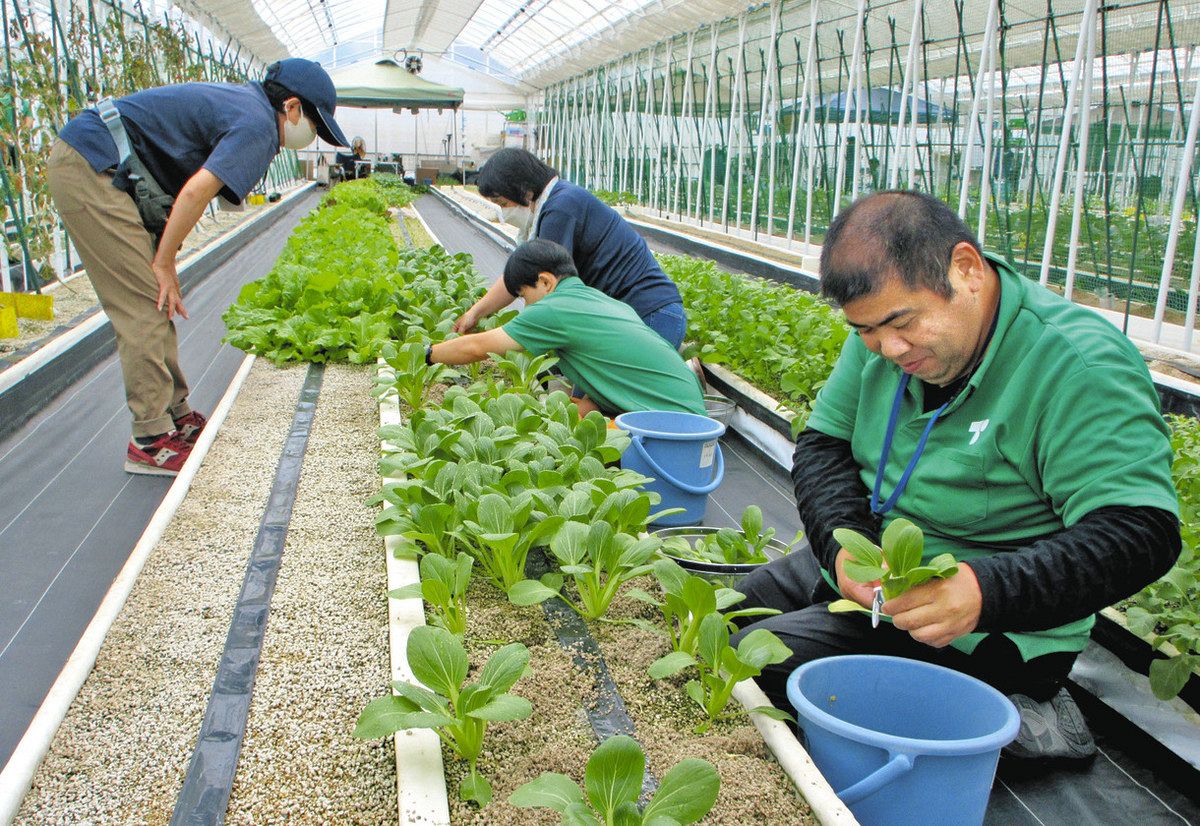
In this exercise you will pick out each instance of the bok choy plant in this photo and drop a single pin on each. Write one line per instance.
(458, 713)
(443, 586)
(688, 599)
(721, 667)
(896, 565)
(598, 559)
(613, 782)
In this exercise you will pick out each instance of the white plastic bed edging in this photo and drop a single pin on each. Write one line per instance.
(794, 760)
(428, 229)
(19, 772)
(760, 434)
(420, 776)
(60, 344)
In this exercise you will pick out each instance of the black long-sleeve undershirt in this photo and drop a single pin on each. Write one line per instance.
(1108, 555)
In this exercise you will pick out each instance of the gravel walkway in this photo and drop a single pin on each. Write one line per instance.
(325, 655)
(122, 750)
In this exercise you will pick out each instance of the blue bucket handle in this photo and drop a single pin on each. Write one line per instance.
(703, 490)
(897, 765)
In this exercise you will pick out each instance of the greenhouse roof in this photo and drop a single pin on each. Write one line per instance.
(544, 41)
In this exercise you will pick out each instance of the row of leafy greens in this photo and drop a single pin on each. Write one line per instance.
(780, 339)
(341, 288)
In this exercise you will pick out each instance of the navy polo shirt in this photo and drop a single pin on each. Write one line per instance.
(230, 130)
(610, 256)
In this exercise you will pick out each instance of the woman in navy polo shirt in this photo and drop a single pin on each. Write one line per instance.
(609, 254)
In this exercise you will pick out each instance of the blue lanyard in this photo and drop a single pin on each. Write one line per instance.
(887, 448)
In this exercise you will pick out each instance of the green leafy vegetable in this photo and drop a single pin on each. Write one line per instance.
(721, 667)
(897, 565)
(613, 782)
(444, 586)
(458, 713)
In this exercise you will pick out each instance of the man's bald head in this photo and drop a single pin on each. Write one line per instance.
(899, 233)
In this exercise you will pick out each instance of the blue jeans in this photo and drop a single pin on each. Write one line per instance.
(670, 322)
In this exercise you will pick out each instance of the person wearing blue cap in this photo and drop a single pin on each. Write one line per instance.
(130, 179)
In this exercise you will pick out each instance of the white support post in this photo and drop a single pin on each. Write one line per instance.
(743, 133)
(985, 56)
(802, 124)
(1189, 323)
(5, 264)
(812, 155)
(665, 145)
(1181, 188)
(765, 90)
(773, 114)
(626, 130)
(985, 174)
(851, 92)
(735, 89)
(1087, 22)
(1085, 107)
(710, 127)
(686, 115)
(908, 89)
(647, 118)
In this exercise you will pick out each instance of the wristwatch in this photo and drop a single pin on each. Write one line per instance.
(429, 355)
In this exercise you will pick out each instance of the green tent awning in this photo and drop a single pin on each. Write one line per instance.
(385, 84)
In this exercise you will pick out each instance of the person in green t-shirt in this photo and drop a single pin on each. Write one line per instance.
(1019, 431)
(615, 362)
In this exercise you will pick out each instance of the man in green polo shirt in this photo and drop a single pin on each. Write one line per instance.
(1021, 432)
(615, 362)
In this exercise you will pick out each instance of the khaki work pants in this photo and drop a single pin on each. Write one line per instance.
(116, 251)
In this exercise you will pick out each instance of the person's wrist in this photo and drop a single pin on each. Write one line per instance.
(429, 355)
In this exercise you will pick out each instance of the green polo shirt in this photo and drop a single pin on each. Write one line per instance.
(1060, 418)
(607, 351)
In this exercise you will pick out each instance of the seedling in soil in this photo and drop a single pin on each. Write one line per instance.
(503, 531)
(523, 371)
(729, 546)
(896, 565)
(458, 713)
(688, 599)
(721, 667)
(613, 780)
(412, 377)
(443, 586)
(599, 559)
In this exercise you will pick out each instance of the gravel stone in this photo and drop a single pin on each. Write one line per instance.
(122, 750)
(325, 654)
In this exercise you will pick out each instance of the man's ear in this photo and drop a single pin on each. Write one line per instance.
(292, 104)
(972, 269)
(549, 279)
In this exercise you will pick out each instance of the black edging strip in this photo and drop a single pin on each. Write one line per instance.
(607, 715)
(404, 230)
(30, 395)
(209, 780)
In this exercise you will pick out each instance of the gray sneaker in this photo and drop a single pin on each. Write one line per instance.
(1050, 730)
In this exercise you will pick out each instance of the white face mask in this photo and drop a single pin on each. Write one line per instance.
(298, 135)
(517, 216)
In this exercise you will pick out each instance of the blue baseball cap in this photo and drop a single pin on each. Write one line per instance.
(308, 81)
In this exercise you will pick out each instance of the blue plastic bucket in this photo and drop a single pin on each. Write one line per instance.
(680, 452)
(903, 741)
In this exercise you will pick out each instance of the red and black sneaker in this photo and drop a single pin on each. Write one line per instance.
(188, 427)
(162, 457)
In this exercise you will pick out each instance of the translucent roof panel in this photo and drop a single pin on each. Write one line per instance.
(306, 27)
(524, 33)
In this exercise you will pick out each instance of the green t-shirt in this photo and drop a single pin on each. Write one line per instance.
(607, 351)
(1060, 418)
